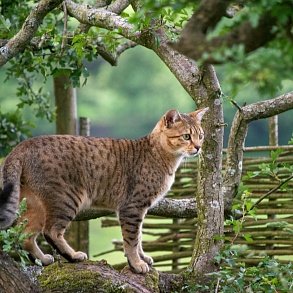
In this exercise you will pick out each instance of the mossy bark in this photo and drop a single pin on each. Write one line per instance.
(88, 277)
(209, 198)
(96, 277)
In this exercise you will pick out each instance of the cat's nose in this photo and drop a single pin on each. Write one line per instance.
(197, 148)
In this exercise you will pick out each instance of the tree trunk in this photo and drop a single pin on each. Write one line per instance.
(273, 141)
(65, 101)
(204, 88)
(209, 199)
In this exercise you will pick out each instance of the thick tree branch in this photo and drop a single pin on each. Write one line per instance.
(184, 69)
(268, 108)
(206, 16)
(237, 137)
(100, 277)
(102, 18)
(194, 42)
(19, 42)
(118, 6)
(173, 208)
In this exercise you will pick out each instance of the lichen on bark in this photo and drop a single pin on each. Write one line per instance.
(93, 276)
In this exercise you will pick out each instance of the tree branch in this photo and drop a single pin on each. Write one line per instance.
(206, 16)
(173, 208)
(184, 69)
(19, 42)
(268, 193)
(194, 41)
(118, 6)
(102, 18)
(268, 108)
(237, 137)
(112, 58)
(101, 277)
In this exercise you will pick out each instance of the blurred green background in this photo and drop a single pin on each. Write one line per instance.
(127, 100)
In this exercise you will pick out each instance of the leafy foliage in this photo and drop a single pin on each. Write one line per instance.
(11, 22)
(13, 129)
(268, 276)
(262, 68)
(273, 169)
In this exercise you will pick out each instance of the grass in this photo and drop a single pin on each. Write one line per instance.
(101, 240)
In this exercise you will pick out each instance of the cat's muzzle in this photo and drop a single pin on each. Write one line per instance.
(195, 152)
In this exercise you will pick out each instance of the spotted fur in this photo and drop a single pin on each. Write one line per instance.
(59, 175)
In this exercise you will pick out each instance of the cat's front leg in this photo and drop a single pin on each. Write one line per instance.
(131, 223)
(141, 253)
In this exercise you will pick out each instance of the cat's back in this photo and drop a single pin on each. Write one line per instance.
(68, 152)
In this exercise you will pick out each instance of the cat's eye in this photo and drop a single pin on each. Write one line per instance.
(186, 136)
(200, 136)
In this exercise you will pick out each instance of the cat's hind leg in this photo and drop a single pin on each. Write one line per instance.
(131, 223)
(35, 215)
(35, 252)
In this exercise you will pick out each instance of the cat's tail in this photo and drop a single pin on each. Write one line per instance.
(9, 195)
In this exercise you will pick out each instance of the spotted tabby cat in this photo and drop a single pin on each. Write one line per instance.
(60, 175)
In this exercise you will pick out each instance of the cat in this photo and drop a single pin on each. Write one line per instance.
(60, 175)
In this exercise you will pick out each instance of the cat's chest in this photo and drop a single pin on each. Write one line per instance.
(169, 180)
(162, 188)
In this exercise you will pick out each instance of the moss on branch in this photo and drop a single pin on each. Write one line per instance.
(100, 277)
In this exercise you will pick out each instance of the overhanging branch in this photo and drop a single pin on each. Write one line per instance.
(268, 108)
(102, 18)
(255, 111)
(194, 40)
(19, 42)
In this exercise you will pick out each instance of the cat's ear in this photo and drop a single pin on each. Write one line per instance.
(171, 117)
(198, 114)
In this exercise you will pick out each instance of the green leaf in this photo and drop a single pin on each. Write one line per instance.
(275, 154)
(5, 22)
(247, 237)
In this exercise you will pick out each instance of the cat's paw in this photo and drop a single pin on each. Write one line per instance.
(139, 267)
(79, 256)
(147, 259)
(47, 259)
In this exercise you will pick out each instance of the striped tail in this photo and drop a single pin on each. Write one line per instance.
(9, 196)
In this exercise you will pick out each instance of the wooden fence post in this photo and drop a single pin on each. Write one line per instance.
(82, 227)
(273, 141)
(273, 131)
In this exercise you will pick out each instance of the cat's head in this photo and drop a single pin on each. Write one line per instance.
(181, 134)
